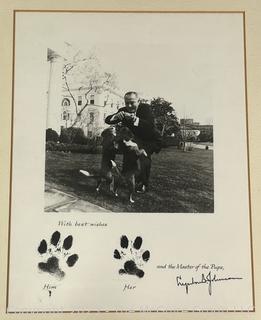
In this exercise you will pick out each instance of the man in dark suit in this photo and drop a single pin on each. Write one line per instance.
(139, 119)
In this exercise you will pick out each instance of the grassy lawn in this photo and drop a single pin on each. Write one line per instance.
(180, 181)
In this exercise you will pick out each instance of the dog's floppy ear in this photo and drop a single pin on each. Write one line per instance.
(105, 132)
(107, 137)
(108, 132)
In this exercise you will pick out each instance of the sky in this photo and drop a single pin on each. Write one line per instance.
(179, 57)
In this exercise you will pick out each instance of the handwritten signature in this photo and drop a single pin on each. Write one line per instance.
(208, 279)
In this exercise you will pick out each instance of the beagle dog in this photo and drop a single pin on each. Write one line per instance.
(131, 158)
(108, 165)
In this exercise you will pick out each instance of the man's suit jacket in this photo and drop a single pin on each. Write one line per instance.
(145, 132)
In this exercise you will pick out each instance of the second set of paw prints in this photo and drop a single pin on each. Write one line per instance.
(56, 255)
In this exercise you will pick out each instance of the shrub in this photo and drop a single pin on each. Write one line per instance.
(51, 135)
(73, 135)
(206, 137)
(72, 147)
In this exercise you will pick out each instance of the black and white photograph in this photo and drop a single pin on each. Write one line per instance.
(130, 121)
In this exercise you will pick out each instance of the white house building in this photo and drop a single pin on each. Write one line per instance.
(96, 105)
(63, 105)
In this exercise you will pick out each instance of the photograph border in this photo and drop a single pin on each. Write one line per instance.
(248, 157)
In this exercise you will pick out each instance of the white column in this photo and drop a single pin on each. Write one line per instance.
(54, 96)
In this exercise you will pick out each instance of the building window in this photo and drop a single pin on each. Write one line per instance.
(105, 102)
(66, 102)
(66, 115)
(79, 100)
(92, 99)
(91, 117)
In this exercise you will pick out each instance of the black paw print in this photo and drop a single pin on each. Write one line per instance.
(133, 255)
(54, 251)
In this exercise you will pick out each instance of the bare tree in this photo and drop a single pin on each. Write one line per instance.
(85, 74)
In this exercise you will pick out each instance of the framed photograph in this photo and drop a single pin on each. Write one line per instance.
(130, 167)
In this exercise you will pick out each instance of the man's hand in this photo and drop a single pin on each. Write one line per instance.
(129, 116)
(119, 116)
(124, 116)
